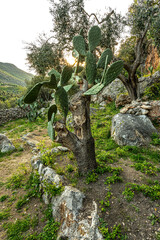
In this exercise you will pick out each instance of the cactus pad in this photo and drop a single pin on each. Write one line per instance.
(56, 73)
(95, 89)
(112, 72)
(66, 75)
(61, 99)
(80, 45)
(102, 60)
(32, 95)
(51, 110)
(91, 70)
(51, 131)
(94, 37)
(52, 84)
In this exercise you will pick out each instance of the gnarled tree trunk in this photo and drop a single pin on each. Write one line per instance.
(81, 142)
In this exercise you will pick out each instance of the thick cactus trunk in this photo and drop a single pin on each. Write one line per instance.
(81, 142)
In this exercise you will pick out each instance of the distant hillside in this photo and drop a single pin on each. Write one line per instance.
(10, 74)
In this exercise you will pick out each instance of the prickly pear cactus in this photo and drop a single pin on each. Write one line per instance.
(61, 99)
(94, 37)
(91, 69)
(102, 60)
(79, 45)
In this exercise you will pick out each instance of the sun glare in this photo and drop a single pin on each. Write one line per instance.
(70, 59)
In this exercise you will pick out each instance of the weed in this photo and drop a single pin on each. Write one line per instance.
(154, 219)
(15, 182)
(149, 191)
(52, 189)
(91, 177)
(3, 198)
(128, 193)
(22, 201)
(32, 186)
(136, 208)
(18, 229)
(47, 159)
(4, 214)
(59, 170)
(115, 176)
(146, 167)
(15, 230)
(70, 168)
(105, 203)
(155, 139)
(106, 157)
(114, 233)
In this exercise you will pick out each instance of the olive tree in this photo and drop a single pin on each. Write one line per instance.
(143, 18)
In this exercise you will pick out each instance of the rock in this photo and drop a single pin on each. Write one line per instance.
(48, 175)
(28, 138)
(154, 113)
(144, 111)
(12, 114)
(63, 149)
(147, 107)
(59, 149)
(148, 81)
(5, 144)
(66, 209)
(110, 92)
(122, 100)
(132, 130)
(103, 104)
(124, 109)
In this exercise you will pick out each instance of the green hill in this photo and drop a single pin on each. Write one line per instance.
(10, 74)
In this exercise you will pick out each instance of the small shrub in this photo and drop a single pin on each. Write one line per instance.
(153, 92)
(91, 177)
(114, 233)
(15, 182)
(70, 168)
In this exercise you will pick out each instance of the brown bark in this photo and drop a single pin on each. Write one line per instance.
(131, 83)
(81, 142)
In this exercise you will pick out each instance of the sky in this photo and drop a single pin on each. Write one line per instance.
(22, 21)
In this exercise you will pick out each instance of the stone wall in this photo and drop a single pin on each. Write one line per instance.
(11, 114)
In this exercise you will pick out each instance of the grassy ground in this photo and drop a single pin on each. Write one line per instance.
(125, 185)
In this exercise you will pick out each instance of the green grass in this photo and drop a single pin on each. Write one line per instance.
(152, 192)
(112, 233)
(3, 198)
(19, 229)
(4, 214)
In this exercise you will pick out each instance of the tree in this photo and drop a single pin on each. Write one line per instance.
(126, 51)
(142, 17)
(42, 56)
(81, 142)
(69, 17)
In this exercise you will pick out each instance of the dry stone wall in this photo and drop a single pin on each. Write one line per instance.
(7, 115)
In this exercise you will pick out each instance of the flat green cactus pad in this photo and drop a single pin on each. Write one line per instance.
(94, 37)
(80, 45)
(112, 72)
(95, 89)
(32, 95)
(61, 99)
(102, 60)
(91, 69)
(66, 75)
(52, 109)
